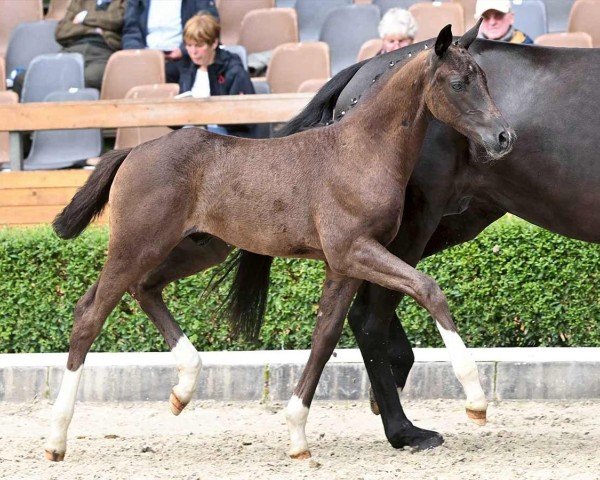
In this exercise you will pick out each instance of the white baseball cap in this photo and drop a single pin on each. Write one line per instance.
(483, 6)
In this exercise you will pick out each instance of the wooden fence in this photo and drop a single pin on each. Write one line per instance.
(32, 198)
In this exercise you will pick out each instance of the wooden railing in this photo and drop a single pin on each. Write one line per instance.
(29, 198)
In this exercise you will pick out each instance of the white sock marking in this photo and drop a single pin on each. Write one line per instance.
(465, 369)
(62, 411)
(295, 416)
(189, 365)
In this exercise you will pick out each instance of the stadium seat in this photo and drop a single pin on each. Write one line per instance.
(432, 17)
(313, 85)
(231, 13)
(565, 39)
(51, 73)
(585, 17)
(345, 30)
(264, 29)
(13, 13)
(385, 5)
(312, 14)
(530, 17)
(52, 149)
(468, 11)
(57, 9)
(28, 40)
(369, 49)
(6, 97)
(2, 74)
(129, 68)
(293, 63)
(558, 14)
(240, 51)
(131, 137)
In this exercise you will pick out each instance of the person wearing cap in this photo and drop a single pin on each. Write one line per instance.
(397, 29)
(498, 20)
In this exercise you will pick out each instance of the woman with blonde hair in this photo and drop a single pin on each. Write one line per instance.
(397, 29)
(212, 70)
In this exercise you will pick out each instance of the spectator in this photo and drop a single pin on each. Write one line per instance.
(92, 28)
(158, 24)
(397, 29)
(498, 20)
(211, 70)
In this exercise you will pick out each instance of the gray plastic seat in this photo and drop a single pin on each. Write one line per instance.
(28, 40)
(51, 73)
(530, 17)
(558, 14)
(312, 14)
(240, 51)
(345, 30)
(53, 149)
(385, 5)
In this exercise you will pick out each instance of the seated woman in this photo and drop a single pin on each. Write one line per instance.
(212, 70)
(397, 29)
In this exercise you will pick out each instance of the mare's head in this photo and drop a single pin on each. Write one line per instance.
(457, 94)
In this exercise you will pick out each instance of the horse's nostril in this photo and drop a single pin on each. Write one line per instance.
(503, 138)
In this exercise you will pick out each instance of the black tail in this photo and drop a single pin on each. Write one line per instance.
(89, 201)
(247, 298)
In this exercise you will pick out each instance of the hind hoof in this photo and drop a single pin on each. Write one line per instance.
(54, 456)
(477, 416)
(300, 456)
(176, 405)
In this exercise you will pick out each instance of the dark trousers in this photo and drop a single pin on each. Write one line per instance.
(95, 58)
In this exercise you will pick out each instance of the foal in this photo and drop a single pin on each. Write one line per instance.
(333, 194)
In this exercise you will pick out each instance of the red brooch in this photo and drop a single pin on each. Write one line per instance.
(221, 79)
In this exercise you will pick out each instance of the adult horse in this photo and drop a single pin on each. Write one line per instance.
(551, 96)
(279, 198)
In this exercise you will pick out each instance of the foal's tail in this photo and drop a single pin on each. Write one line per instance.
(246, 301)
(89, 201)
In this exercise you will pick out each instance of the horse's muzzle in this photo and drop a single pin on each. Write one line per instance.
(501, 144)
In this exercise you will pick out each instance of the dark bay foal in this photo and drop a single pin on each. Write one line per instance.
(334, 194)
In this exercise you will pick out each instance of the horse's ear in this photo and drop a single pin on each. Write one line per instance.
(443, 41)
(467, 39)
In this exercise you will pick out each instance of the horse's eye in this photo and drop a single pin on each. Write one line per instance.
(457, 86)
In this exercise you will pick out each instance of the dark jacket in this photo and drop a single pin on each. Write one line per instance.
(105, 19)
(135, 28)
(226, 75)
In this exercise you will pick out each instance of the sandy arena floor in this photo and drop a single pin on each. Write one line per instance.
(522, 440)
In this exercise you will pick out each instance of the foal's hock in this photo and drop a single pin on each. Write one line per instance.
(334, 194)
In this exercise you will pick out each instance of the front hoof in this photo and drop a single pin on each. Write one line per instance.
(477, 416)
(301, 455)
(54, 456)
(176, 405)
(416, 438)
(373, 402)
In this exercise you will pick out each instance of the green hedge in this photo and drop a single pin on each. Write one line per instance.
(516, 285)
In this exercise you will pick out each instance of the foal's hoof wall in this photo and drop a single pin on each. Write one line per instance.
(477, 416)
(300, 456)
(54, 456)
(176, 405)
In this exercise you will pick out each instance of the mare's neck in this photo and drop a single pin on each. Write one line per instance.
(393, 119)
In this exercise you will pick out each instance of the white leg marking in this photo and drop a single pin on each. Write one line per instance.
(62, 411)
(189, 365)
(295, 416)
(465, 369)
